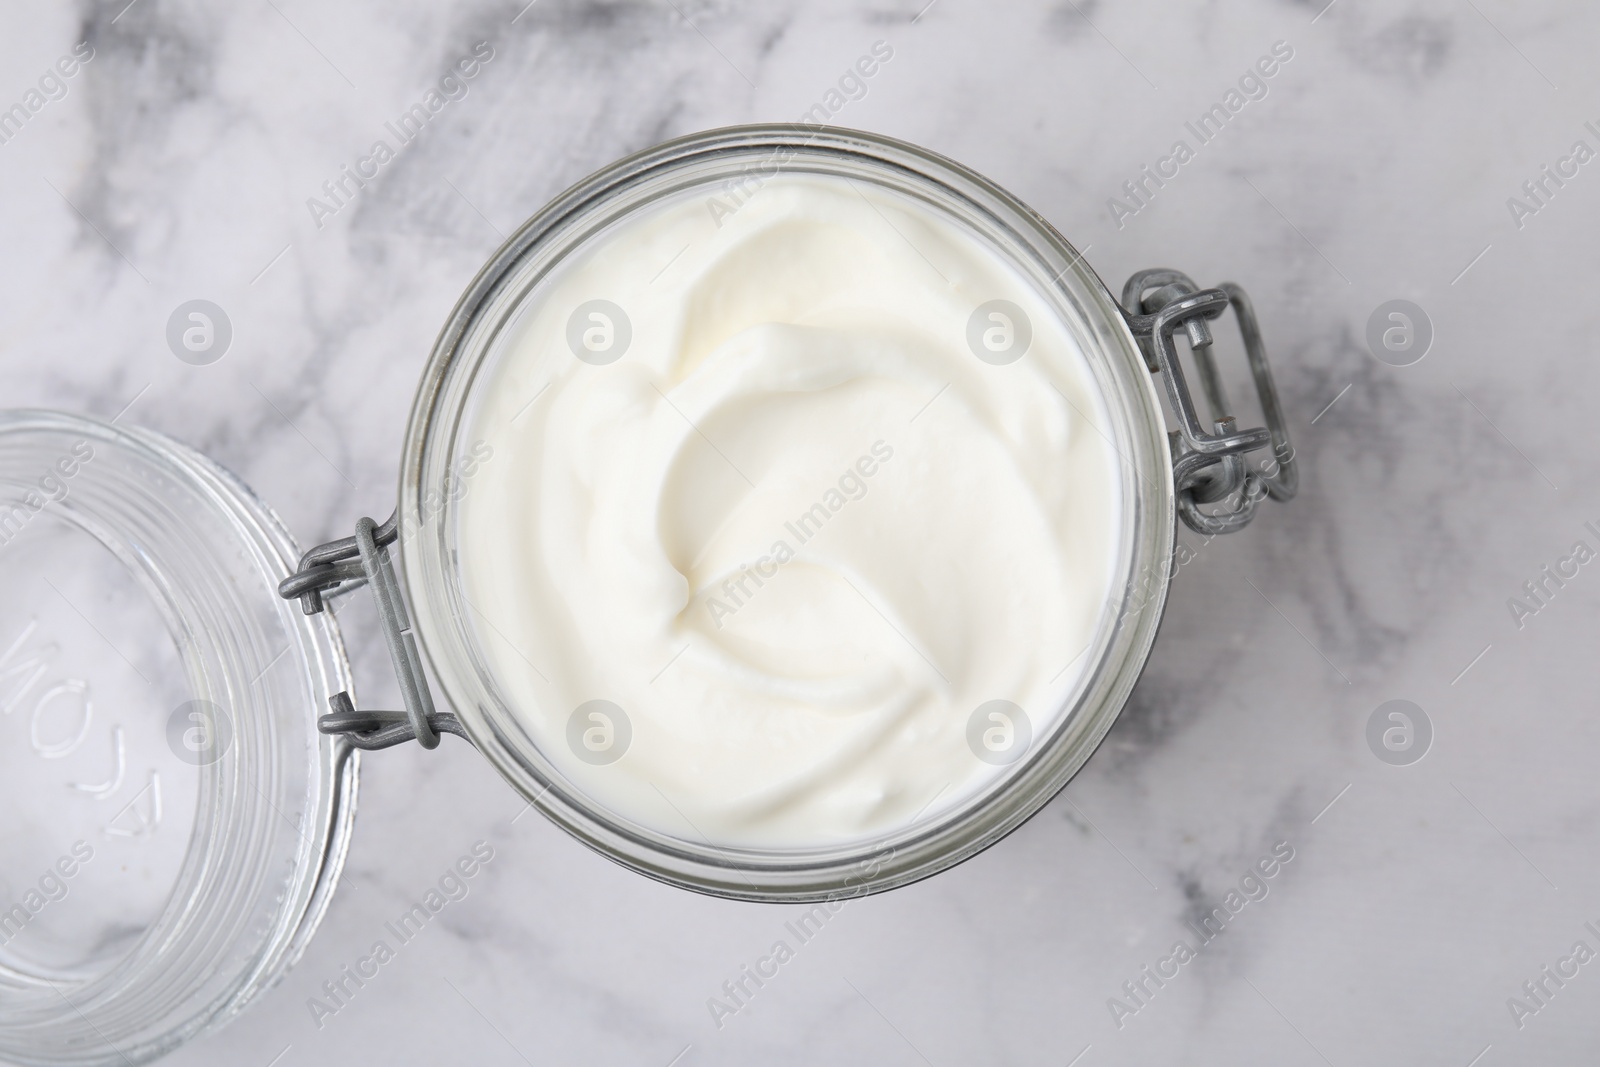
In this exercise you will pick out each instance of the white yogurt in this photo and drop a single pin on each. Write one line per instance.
(797, 531)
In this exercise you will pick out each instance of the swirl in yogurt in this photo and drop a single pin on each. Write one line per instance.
(810, 519)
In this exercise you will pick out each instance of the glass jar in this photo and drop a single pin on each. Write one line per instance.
(706, 165)
(476, 335)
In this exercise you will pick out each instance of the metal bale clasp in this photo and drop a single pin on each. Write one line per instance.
(1209, 467)
(344, 565)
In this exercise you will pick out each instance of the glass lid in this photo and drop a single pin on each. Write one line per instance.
(175, 824)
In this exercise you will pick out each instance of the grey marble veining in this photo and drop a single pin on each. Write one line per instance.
(1377, 165)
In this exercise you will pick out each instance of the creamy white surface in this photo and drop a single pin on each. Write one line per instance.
(798, 532)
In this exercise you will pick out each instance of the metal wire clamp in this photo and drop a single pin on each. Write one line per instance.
(339, 567)
(1209, 467)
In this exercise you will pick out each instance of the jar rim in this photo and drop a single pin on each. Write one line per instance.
(429, 569)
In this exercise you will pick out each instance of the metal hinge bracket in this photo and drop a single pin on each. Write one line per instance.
(339, 567)
(1208, 467)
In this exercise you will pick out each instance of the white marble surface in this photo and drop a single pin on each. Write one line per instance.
(1378, 167)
